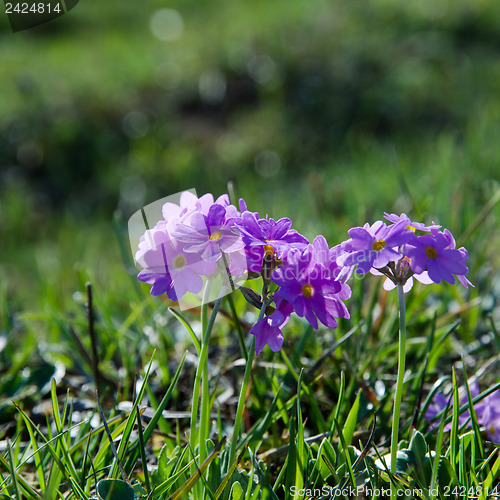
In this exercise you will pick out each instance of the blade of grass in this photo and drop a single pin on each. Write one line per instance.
(187, 326)
(230, 472)
(330, 466)
(22, 483)
(84, 462)
(12, 470)
(345, 449)
(475, 426)
(437, 458)
(339, 402)
(61, 443)
(124, 441)
(260, 427)
(492, 475)
(53, 483)
(301, 446)
(454, 443)
(436, 349)
(36, 455)
(148, 432)
(332, 349)
(142, 450)
(76, 488)
(93, 340)
(311, 398)
(48, 444)
(103, 449)
(367, 446)
(181, 492)
(175, 474)
(279, 403)
(350, 423)
(112, 445)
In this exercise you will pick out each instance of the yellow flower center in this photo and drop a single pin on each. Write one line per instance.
(215, 236)
(269, 250)
(411, 228)
(307, 290)
(378, 245)
(431, 252)
(179, 262)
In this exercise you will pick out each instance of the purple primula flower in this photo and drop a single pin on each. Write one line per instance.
(487, 411)
(173, 213)
(437, 405)
(168, 267)
(268, 329)
(398, 253)
(337, 256)
(395, 219)
(190, 203)
(267, 237)
(211, 234)
(307, 283)
(435, 253)
(376, 245)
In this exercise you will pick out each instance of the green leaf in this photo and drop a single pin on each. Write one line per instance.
(187, 326)
(405, 462)
(418, 446)
(326, 451)
(350, 423)
(115, 489)
(166, 464)
(237, 492)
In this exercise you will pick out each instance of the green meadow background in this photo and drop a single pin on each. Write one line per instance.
(323, 111)
(327, 112)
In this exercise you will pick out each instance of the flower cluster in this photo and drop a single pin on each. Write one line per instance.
(487, 411)
(403, 250)
(309, 283)
(200, 238)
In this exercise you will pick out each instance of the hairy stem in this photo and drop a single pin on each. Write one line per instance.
(399, 385)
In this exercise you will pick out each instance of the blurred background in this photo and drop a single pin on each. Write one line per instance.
(327, 112)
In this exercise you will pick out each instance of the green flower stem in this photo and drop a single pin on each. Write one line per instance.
(205, 395)
(399, 385)
(243, 393)
(202, 373)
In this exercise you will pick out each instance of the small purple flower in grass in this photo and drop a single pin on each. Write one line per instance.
(267, 237)
(487, 411)
(307, 283)
(268, 329)
(376, 245)
(434, 253)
